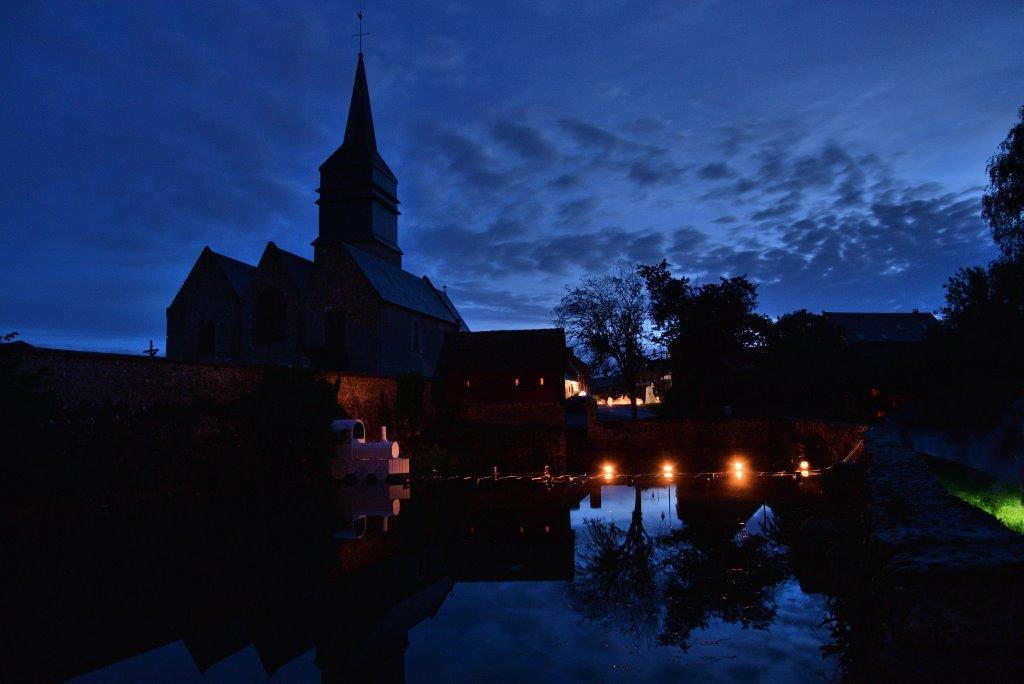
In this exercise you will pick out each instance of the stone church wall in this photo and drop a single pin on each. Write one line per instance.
(91, 379)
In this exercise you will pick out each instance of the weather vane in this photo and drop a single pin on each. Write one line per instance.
(360, 34)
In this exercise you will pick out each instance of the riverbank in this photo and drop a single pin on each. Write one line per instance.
(950, 576)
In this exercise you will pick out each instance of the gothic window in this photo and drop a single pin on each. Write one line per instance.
(335, 325)
(416, 343)
(206, 340)
(268, 320)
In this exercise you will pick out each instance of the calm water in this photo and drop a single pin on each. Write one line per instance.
(491, 582)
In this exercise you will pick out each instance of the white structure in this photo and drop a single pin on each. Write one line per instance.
(355, 457)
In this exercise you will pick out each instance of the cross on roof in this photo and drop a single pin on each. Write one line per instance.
(360, 34)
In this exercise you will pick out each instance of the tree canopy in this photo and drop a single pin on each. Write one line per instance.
(1003, 202)
(606, 317)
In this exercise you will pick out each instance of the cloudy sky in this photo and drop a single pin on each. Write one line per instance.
(833, 152)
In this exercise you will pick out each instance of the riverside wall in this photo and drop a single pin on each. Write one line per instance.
(950, 576)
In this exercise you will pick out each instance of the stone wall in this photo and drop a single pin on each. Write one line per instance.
(950, 576)
(824, 442)
(548, 413)
(92, 379)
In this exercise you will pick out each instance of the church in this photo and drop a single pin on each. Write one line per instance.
(351, 308)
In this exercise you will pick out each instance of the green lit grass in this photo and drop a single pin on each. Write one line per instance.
(1001, 499)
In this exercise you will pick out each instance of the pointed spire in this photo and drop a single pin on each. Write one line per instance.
(359, 129)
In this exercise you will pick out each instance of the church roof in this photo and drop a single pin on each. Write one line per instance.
(505, 351)
(451, 307)
(882, 327)
(401, 288)
(238, 273)
(360, 143)
(300, 269)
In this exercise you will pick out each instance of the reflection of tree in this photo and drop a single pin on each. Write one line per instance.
(730, 580)
(617, 578)
(680, 582)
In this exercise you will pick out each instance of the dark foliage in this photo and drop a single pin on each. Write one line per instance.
(1003, 203)
(708, 330)
(409, 403)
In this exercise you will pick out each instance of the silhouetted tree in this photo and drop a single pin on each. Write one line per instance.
(804, 368)
(1003, 203)
(606, 316)
(978, 356)
(705, 328)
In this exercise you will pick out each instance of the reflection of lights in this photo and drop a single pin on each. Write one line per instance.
(667, 470)
(609, 471)
(547, 529)
(805, 473)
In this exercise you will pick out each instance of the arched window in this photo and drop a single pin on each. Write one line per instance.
(416, 342)
(268, 320)
(206, 343)
(335, 331)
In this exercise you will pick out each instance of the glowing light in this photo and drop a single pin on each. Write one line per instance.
(609, 470)
(583, 393)
(804, 465)
(738, 469)
(667, 470)
(805, 473)
(542, 382)
(517, 382)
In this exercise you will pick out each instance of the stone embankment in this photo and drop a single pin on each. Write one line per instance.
(950, 577)
(824, 442)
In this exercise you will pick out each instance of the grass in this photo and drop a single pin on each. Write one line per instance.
(999, 498)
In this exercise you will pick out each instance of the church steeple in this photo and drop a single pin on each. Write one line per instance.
(358, 192)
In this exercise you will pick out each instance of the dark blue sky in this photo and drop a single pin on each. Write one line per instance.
(834, 152)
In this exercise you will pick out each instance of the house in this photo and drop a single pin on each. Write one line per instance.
(509, 367)
(865, 329)
(352, 307)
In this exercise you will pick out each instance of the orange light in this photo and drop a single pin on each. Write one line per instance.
(609, 471)
(542, 382)
(738, 469)
(667, 470)
(805, 473)
(517, 382)
(804, 465)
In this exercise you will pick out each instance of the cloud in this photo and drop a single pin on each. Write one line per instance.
(527, 142)
(715, 170)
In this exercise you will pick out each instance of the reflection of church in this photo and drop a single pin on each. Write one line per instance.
(352, 307)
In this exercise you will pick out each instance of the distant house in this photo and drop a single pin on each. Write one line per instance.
(887, 353)
(352, 307)
(861, 329)
(509, 367)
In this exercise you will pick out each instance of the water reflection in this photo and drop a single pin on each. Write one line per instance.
(386, 583)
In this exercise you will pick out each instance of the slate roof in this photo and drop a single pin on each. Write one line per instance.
(360, 141)
(451, 307)
(401, 288)
(500, 351)
(883, 327)
(300, 269)
(238, 273)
